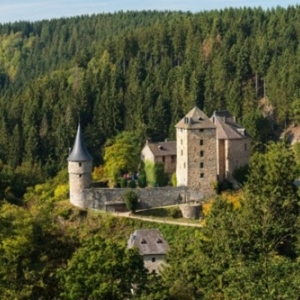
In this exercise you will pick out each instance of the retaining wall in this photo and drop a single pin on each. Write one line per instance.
(101, 198)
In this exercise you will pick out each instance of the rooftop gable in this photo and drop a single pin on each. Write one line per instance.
(167, 148)
(148, 241)
(195, 119)
(227, 128)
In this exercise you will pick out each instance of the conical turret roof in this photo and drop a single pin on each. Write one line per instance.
(79, 152)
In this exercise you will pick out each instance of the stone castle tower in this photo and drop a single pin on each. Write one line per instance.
(196, 151)
(80, 170)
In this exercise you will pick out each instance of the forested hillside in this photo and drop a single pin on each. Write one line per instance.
(142, 71)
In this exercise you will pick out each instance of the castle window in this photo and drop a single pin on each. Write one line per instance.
(79, 164)
(173, 158)
(202, 175)
(201, 130)
(80, 175)
(201, 142)
(184, 165)
(245, 146)
(201, 165)
(153, 259)
(181, 152)
(201, 153)
(181, 141)
(163, 159)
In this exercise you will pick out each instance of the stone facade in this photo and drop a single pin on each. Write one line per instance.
(79, 180)
(196, 152)
(233, 145)
(238, 155)
(154, 263)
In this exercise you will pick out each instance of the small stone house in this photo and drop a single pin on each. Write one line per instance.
(162, 152)
(233, 145)
(152, 247)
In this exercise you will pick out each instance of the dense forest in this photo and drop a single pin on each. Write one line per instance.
(142, 71)
(135, 74)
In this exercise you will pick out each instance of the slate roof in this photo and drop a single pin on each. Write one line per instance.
(79, 151)
(195, 119)
(163, 148)
(227, 128)
(148, 241)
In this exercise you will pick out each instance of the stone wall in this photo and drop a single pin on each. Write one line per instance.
(237, 155)
(79, 179)
(190, 211)
(147, 197)
(202, 159)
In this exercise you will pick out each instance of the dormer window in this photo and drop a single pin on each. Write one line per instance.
(159, 241)
(143, 241)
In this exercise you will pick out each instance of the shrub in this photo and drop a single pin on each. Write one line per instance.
(241, 174)
(123, 183)
(132, 184)
(131, 200)
(175, 212)
(174, 179)
(142, 181)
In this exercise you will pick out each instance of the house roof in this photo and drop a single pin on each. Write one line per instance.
(148, 241)
(227, 128)
(195, 119)
(79, 151)
(163, 148)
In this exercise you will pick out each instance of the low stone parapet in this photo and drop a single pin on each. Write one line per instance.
(100, 198)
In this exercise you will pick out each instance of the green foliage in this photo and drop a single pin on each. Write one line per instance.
(132, 184)
(241, 174)
(123, 182)
(122, 155)
(155, 174)
(175, 212)
(174, 179)
(142, 182)
(144, 74)
(131, 200)
(102, 270)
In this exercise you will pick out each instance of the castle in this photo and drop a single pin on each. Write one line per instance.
(207, 150)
